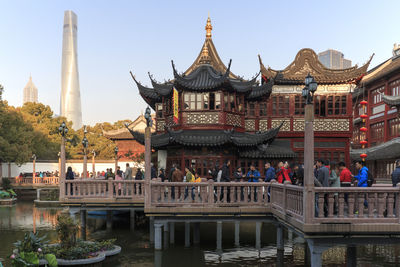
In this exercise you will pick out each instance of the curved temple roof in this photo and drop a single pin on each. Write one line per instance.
(208, 137)
(306, 61)
(204, 78)
(392, 101)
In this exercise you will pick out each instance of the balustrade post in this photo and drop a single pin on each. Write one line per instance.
(390, 206)
(110, 188)
(341, 205)
(284, 197)
(350, 200)
(211, 192)
(381, 204)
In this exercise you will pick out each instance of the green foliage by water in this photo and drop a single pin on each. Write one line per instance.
(81, 250)
(6, 184)
(7, 194)
(66, 230)
(30, 250)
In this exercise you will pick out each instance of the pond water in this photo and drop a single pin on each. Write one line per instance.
(137, 251)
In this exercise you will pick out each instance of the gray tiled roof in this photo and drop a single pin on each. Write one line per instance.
(208, 137)
(387, 150)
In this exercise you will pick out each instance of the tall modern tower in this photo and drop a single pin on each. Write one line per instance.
(70, 92)
(30, 92)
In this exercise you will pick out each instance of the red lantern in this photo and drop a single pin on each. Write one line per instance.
(363, 156)
(363, 116)
(364, 103)
(363, 129)
(363, 142)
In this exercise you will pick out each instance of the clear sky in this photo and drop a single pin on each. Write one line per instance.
(117, 36)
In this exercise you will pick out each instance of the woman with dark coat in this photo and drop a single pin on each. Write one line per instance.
(70, 176)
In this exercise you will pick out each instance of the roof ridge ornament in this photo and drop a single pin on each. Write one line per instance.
(208, 27)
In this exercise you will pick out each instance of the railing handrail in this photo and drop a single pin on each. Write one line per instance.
(356, 189)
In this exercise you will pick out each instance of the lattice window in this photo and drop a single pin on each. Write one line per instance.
(202, 101)
(159, 110)
(280, 105)
(395, 87)
(263, 109)
(394, 127)
(376, 95)
(377, 132)
(299, 104)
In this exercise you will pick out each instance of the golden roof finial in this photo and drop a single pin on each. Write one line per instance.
(208, 27)
(205, 57)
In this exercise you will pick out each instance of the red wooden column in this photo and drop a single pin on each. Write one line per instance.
(385, 122)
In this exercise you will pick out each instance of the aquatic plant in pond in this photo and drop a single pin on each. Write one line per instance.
(29, 251)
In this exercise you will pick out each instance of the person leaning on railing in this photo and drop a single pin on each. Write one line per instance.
(70, 176)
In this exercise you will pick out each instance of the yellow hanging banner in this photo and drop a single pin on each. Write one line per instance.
(175, 99)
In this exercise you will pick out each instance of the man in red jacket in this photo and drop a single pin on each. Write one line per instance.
(345, 175)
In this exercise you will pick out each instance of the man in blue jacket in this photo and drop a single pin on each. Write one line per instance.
(362, 176)
(396, 173)
(269, 172)
(253, 174)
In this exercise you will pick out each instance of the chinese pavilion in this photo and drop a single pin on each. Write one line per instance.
(127, 146)
(204, 117)
(332, 103)
(380, 88)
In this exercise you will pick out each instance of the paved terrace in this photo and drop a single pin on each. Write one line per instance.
(346, 213)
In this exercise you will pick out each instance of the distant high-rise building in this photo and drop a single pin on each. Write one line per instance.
(30, 92)
(70, 91)
(334, 59)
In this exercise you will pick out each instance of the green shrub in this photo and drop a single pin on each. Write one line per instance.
(81, 250)
(6, 184)
(66, 229)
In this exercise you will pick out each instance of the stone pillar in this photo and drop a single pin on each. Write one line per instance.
(157, 258)
(290, 236)
(172, 233)
(151, 229)
(279, 238)
(166, 235)
(308, 193)
(62, 169)
(258, 235)
(196, 233)
(38, 193)
(132, 219)
(237, 233)
(109, 221)
(315, 253)
(93, 166)
(83, 224)
(84, 164)
(351, 256)
(187, 234)
(157, 236)
(147, 166)
(219, 235)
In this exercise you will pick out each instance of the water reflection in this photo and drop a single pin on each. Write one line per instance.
(137, 251)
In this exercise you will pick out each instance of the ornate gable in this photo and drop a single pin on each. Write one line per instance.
(306, 61)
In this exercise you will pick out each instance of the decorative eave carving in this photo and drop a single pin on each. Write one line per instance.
(306, 61)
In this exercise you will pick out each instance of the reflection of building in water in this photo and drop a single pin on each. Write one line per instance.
(335, 255)
(25, 216)
(249, 255)
(46, 217)
(388, 253)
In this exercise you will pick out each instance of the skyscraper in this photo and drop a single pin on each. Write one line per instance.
(30, 92)
(334, 59)
(70, 92)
